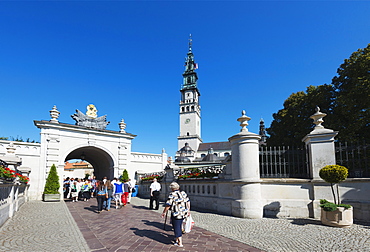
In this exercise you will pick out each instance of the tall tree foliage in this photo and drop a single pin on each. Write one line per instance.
(293, 122)
(352, 106)
(346, 101)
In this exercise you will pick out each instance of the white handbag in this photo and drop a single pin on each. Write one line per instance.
(189, 223)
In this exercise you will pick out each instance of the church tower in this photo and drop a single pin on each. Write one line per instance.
(189, 105)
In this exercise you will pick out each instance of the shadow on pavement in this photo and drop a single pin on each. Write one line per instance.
(92, 208)
(159, 225)
(303, 222)
(154, 235)
(140, 207)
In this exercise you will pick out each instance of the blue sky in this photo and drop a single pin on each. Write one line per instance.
(127, 58)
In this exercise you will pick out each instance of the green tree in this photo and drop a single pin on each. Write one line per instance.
(124, 176)
(293, 122)
(352, 106)
(52, 182)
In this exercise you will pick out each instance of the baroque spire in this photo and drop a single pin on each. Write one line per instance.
(189, 75)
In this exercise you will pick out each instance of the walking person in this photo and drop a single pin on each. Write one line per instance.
(126, 191)
(107, 202)
(179, 203)
(94, 184)
(155, 187)
(130, 187)
(74, 191)
(86, 194)
(101, 195)
(117, 192)
(66, 187)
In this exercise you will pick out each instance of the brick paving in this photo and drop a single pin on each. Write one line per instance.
(136, 228)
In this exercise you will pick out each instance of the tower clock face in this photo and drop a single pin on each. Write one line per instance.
(187, 120)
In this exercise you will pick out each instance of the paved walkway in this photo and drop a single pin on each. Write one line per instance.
(136, 228)
(40, 226)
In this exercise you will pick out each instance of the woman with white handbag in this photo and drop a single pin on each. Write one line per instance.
(179, 203)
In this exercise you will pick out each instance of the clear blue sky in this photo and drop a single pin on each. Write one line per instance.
(127, 58)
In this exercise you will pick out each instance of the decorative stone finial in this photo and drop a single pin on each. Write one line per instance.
(122, 126)
(243, 121)
(54, 114)
(318, 118)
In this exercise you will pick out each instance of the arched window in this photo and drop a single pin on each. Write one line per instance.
(215, 154)
(192, 108)
(187, 134)
(183, 109)
(226, 154)
(187, 108)
(202, 155)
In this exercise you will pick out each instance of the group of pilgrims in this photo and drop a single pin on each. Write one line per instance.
(103, 190)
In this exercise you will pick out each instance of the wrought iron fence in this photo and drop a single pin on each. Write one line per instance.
(283, 162)
(354, 156)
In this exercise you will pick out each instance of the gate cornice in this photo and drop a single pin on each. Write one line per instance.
(81, 129)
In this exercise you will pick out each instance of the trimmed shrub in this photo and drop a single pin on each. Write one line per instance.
(333, 173)
(52, 182)
(124, 176)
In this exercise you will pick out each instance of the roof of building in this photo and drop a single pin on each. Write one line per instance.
(215, 146)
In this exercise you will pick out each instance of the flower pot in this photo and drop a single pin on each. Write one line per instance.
(51, 197)
(339, 218)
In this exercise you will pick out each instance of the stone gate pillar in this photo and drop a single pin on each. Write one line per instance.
(320, 145)
(245, 172)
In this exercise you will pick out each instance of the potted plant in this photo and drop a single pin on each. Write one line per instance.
(335, 214)
(52, 185)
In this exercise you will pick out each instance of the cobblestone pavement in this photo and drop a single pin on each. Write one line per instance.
(42, 226)
(291, 234)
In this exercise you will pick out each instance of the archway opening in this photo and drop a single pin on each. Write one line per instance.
(100, 160)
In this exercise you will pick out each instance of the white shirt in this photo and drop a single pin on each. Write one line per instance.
(155, 186)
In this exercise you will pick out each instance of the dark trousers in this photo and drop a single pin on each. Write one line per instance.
(177, 226)
(155, 198)
(86, 194)
(100, 199)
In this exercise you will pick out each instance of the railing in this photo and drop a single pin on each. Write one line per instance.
(12, 196)
(283, 162)
(354, 156)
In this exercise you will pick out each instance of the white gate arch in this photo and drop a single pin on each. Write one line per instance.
(108, 151)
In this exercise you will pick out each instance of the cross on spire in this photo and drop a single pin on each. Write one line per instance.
(190, 42)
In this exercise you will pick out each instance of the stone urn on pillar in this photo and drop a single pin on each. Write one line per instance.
(245, 172)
